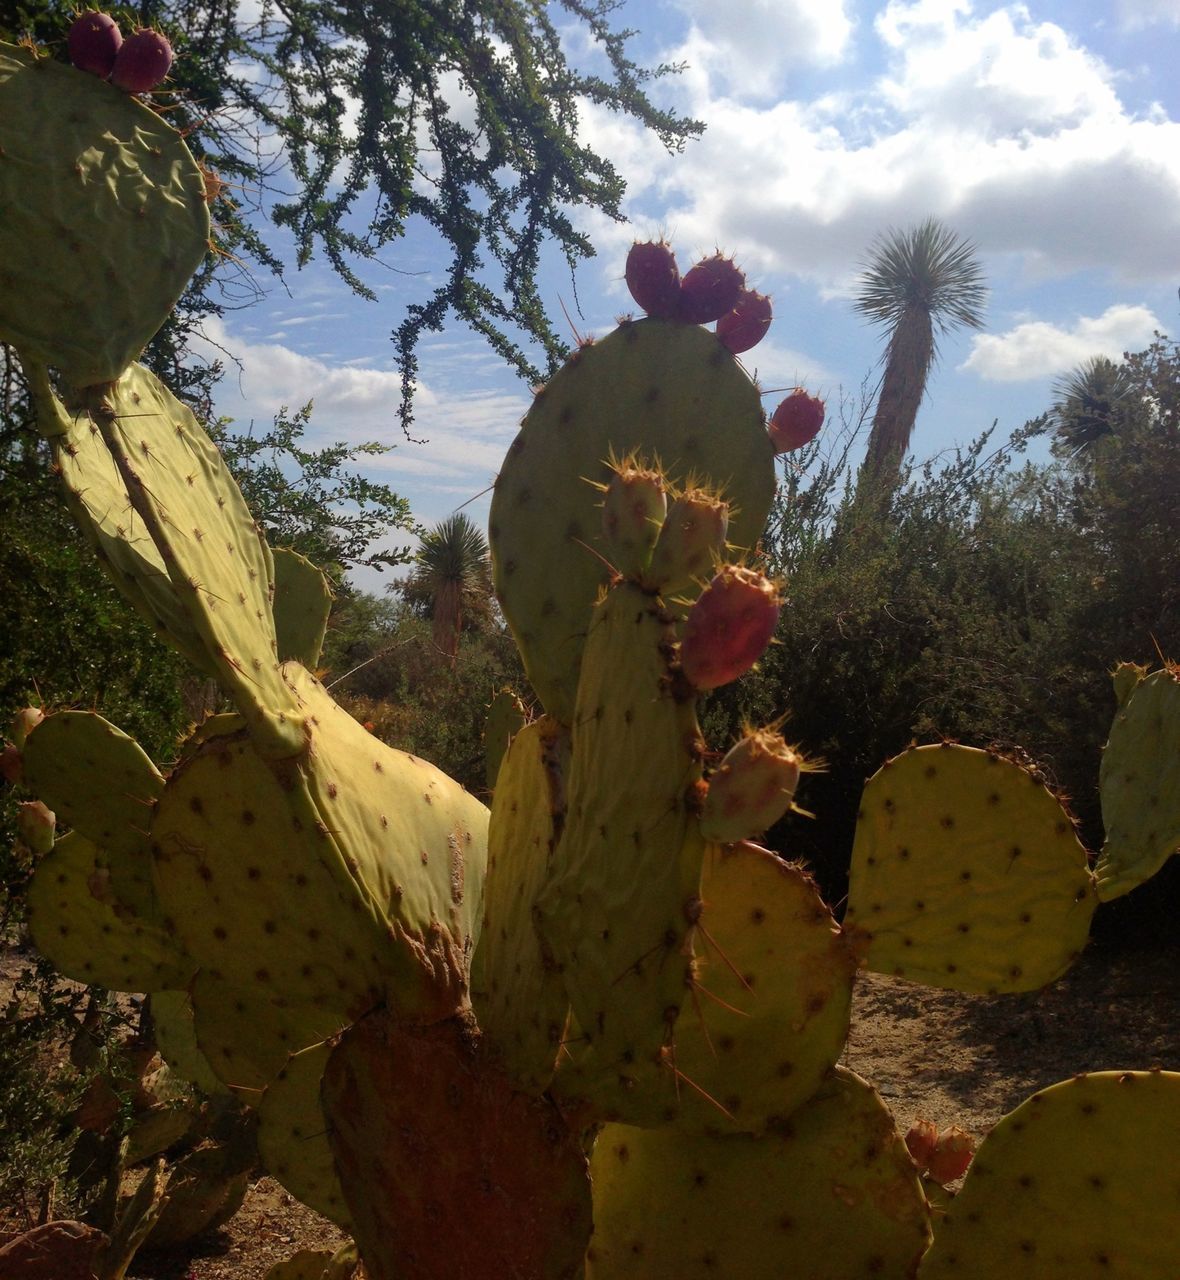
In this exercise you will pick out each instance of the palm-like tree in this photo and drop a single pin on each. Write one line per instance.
(919, 283)
(452, 573)
(1089, 404)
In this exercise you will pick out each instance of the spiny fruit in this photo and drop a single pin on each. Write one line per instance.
(920, 1141)
(691, 541)
(747, 324)
(23, 723)
(951, 1155)
(142, 62)
(634, 507)
(728, 628)
(796, 421)
(751, 788)
(654, 278)
(35, 824)
(93, 42)
(710, 290)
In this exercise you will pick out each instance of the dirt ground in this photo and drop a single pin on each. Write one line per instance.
(950, 1058)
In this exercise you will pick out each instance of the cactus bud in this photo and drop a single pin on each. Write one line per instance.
(729, 627)
(920, 1140)
(633, 511)
(690, 542)
(951, 1155)
(11, 769)
(23, 723)
(35, 825)
(751, 788)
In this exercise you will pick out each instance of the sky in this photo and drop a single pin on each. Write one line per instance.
(1047, 133)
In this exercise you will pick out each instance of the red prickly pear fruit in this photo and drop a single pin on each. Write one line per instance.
(747, 324)
(751, 788)
(920, 1141)
(634, 507)
(728, 628)
(796, 421)
(142, 62)
(951, 1155)
(23, 723)
(690, 542)
(11, 769)
(93, 42)
(710, 290)
(35, 825)
(654, 278)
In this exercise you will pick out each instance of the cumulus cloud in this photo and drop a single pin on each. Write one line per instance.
(1037, 349)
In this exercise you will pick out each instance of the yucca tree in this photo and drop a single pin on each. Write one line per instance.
(1089, 404)
(452, 575)
(918, 284)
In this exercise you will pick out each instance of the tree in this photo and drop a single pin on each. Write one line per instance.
(1089, 404)
(451, 578)
(918, 283)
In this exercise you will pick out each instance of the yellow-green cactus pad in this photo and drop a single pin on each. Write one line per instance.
(215, 555)
(1080, 1182)
(302, 603)
(103, 218)
(618, 909)
(477, 1178)
(102, 783)
(832, 1196)
(247, 1036)
(506, 718)
(1140, 784)
(91, 938)
(772, 989)
(293, 1135)
(517, 994)
(657, 388)
(176, 1039)
(206, 1189)
(967, 874)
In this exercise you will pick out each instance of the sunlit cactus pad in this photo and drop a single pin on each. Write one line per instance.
(103, 218)
(967, 873)
(1080, 1182)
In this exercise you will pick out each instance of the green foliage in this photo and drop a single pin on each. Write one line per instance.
(452, 581)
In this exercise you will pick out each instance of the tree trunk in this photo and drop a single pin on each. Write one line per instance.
(910, 355)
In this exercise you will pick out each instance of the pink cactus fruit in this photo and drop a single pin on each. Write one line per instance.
(710, 290)
(23, 723)
(142, 63)
(951, 1155)
(796, 421)
(93, 42)
(920, 1140)
(634, 507)
(11, 768)
(690, 541)
(729, 627)
(751, 788)
(747, 324)
(654, 278)
(35, 825)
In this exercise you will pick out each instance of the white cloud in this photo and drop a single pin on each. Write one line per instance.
(1036, 349)
(1134, 15)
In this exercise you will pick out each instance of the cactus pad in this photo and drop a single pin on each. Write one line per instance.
(1080, 1182)
(88, 178)
(506, 718)
(302, 603)
(517, 995)
(477, 1179)
(1140, 784)
(176, 1039)
(654, 387)
(967, 874)
(86, 938)
(293, 1135)
(833, 1196)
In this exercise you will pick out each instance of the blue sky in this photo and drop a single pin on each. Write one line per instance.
(1046, 132)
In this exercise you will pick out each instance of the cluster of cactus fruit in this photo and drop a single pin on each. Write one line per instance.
(595, 1030)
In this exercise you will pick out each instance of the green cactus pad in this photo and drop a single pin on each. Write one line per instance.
(303, 600)
(477, 1179)
(787, 1016)
(98, 500)
(215, 555)
(293, 1135)
(831, 1197)
(205, 1190)
(247, 1035)
(86, 938)
(518, 997)
(157, 1128)
(1140, 784)
(1080, 1182)
(617, 911)
(653, 387)
(102, 783)
(176, 1039)
(103, 218)
(506, 718)
(967, 874)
